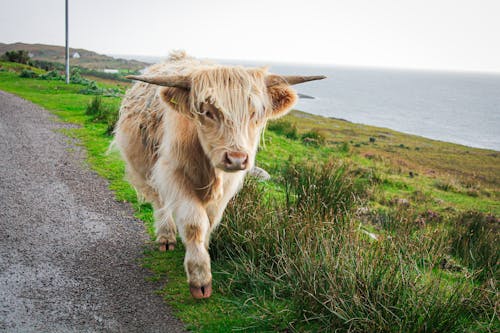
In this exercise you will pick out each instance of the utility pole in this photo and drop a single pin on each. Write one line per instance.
(67, 46)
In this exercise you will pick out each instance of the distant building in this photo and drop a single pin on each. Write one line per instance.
(76, 55)
(112, 71)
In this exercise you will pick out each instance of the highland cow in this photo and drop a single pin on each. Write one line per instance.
(189, 134)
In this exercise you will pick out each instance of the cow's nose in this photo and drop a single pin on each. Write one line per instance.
(235, 160)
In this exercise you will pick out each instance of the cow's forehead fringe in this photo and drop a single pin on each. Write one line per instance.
(232, 89)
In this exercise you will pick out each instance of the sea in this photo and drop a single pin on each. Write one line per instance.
(458, 107)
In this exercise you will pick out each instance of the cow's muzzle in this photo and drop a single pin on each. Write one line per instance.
(235, 161)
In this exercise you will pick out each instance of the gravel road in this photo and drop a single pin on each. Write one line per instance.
(69, 253)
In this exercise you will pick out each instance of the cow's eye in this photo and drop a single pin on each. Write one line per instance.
(209, 114)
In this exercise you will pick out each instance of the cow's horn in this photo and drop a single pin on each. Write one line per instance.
(273, 79)
(177, 81)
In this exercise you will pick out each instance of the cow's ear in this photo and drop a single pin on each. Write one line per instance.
(283, 98)
(177, 99)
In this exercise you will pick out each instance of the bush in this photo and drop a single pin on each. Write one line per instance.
(285, 128)
(52, 75)
(47, 65)
(93, 89)
(99, 112)
(313, 137)
(77, 78)
(109, 76)
(26, 73)
(20, 56)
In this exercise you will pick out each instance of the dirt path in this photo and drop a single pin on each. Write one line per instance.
(69, 253)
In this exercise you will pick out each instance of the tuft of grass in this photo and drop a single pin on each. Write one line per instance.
(313, 137)
(100, 112)
(285, 128)
(27, 73)
(475, 240)
(446, 185)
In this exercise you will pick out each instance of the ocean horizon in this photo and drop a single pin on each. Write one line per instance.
(457, 107)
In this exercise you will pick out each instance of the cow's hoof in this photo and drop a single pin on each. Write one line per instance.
(167, 246)
(201, 292)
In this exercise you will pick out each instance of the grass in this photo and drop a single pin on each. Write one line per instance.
(299, 254)
(309, 253)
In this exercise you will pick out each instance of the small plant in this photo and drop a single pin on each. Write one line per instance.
(344, 147)
(47, 65)
(93, 89)
(313, 137)
(26, 73)
(20, 56)
(77, 78)
(285, 128)
(111, 119)
(474, 240)
(52, 75)
(95, 108)
(446, 185)
(99, 112)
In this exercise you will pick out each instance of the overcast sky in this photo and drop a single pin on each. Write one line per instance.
(433, 34)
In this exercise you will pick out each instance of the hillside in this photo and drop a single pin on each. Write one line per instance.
(88, 59)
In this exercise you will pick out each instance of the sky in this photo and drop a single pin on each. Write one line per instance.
(417, 34)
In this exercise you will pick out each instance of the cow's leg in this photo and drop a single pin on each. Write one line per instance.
(216, 208)
(193, 224)
(165, 229)
(214, 212)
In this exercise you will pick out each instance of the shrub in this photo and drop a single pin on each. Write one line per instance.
(285, 128)
(20, 56)
(93, 89)
(52, 75)
(99, 112)
(109, 76)
(76, 77)
(47, 65)
(313, 137)
(26, 73)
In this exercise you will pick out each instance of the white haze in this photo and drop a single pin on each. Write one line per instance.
(435, 34)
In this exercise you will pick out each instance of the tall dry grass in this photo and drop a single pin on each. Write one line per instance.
(308, 260)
